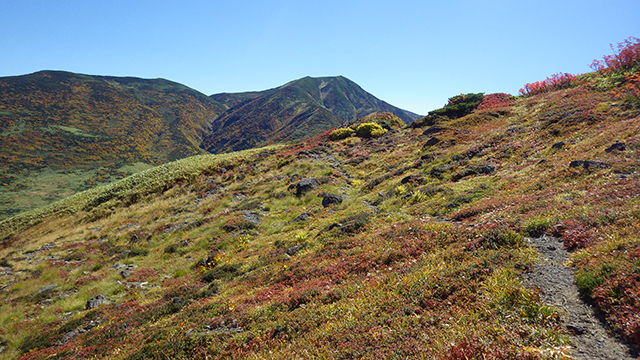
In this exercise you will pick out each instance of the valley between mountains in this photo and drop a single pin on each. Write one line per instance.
(496, 227)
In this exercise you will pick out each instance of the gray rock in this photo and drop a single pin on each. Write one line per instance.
(558, 145)
(293, 249)
(514, 129)
(587, 164)
(306, 186)
(95, 301)
(414, 179)
(577, 329)
(125, 273)
(251, 217)
(615, 146)
(47, 288)
(301, 217)
(120, 266)
(487, 169)
(432, 130)
(49, 246)
(331, 199)
(135, 285)
(432, 141)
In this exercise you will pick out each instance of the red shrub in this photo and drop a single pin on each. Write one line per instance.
(143, 274)
(555, 82)
(495, 100)
(626, 56)
(576, 234)
(618, 297)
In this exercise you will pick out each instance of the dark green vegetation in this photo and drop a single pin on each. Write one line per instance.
(456, 107)
(235, 255)
(293, 111)
(61, 133)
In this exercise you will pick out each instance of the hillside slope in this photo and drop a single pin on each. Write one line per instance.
(412, 244)
(62, 132)
(296, 110)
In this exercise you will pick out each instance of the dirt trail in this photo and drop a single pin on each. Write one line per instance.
(556, 281)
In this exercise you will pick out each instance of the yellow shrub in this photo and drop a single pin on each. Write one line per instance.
(341, 133)
(368, 130)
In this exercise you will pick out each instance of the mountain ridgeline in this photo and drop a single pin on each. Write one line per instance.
(292, 111)
(62, 132)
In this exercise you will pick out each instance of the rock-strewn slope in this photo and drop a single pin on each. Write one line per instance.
(400, 247)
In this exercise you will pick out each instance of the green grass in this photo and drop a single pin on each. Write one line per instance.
(128, 189)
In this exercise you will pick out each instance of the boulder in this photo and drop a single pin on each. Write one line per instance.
(292, 250)
(558, 145)
(331, 199)
(576, 163)
(301, 217)
(432, 141)
(95, 301)
(487, 169)
(432, 130)
(413, 179)
(334, 226)
(615, 146)
(587, 164)
(251, 217)
(306, 186)
(46, 288)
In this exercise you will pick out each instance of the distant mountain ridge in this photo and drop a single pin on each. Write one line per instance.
(86, 129)
(296, 110)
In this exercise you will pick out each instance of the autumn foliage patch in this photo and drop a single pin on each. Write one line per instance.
(496, 100)
(555, 82)
(626, 56)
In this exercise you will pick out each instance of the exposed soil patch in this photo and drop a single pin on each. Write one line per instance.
(581, 320)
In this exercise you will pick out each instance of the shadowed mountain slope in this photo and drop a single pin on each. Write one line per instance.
(296, 110)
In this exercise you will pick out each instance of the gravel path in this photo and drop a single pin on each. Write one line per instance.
(556, 281)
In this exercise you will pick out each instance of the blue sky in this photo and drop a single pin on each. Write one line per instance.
(412, 54)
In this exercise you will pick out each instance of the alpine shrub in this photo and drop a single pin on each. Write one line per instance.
(627, 56)
(460, 105)
(368, 130)
(555, 82)
(341, 133)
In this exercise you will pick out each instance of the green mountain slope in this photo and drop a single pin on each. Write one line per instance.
(296, 110)
(62, 132)
(411, 244)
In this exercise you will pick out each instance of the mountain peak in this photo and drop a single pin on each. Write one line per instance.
(296, 110)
